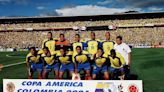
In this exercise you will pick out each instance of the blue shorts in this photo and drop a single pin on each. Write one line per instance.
(69, 67)
(85, 66)
(38, 67)
(112, 70)
(52, 67)
(97, 69)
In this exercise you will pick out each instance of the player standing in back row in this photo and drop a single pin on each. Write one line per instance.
(49, 42)
(93, 45)
(107, 45)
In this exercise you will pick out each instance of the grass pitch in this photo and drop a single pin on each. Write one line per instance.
(147, 63)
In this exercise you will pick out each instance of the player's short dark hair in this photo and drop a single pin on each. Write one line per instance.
(77, 35)
(50, 33)
(113, 51)
(62, 34)
(46, 48)
(32, 48)
(119, 37)
(78, 47)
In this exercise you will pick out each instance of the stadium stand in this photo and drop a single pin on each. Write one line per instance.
(142, 29)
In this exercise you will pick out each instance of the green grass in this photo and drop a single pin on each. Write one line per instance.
(148, 64)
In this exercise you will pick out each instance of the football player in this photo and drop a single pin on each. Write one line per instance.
(82, 62)
(50, 63)
(101, 63)
(65, 58)
(117, 63)
(33, 62)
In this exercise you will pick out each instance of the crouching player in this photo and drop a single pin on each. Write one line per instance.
(65, 58)
(117, 63)
(50, 63)
(100, 65)
(82, 62)
(33, 62)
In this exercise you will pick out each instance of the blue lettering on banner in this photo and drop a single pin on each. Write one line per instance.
(30, 83)
(38, 90)
(65, 84)
(77, 91)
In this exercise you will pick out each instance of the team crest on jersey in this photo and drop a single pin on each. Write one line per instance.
(133, 88)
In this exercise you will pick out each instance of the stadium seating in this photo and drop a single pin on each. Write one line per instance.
(132, 36)
(51, 25)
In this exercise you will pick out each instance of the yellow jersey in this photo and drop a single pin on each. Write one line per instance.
(82, 57)
(49, 59)
(107, 46)
(49, 43)
(117, 62)
(101, 60)
(67, 59)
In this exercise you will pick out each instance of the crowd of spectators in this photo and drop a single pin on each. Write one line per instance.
(53, 25)
(133, 36)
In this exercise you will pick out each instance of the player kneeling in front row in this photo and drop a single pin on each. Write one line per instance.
(100, 65)
(65, 58)
(117, 63)
(33, 62)
(49, 63)
(82, 62)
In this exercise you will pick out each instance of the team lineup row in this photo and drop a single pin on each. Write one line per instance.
(92, 56)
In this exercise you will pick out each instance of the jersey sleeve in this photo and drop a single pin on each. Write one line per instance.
(99, 44)
(43, 43)
(85, 45)
(75, 61)
(27, 58)
(121, 59)
(128, 50)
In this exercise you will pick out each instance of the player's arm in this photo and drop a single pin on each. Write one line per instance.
(27, 62)
(43, 43)
(68, 43)
(129, 54)
(107, 61)
(42, 60)
(122, 60)
(129, 58)
(57, 59)
(28, 65)
(75, 64)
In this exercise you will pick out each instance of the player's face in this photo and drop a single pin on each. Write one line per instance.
(78, 50)
(32, 51)
(118, 41)
(113, 54)
(45, 51)
(107, 35)
(99, 52)
(62, 38)
(77, 38)
(49, 36)
(92, 36)
(62, 51)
